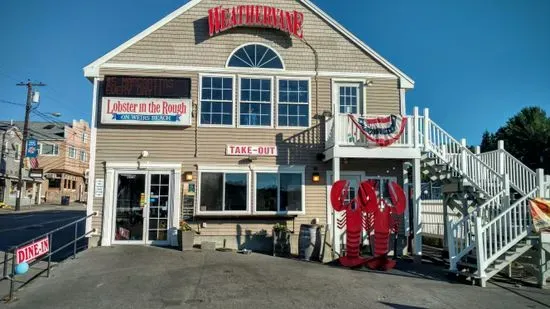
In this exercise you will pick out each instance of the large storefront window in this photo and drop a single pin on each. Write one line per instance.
(293, 103)
(255, 102)
(216, 102)
(223, 192)
(279, 192)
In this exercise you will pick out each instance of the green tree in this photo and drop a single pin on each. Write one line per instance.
(488, 142)
(526, 136)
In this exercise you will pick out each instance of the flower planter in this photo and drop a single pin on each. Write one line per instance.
(281, 243)
(186, 240)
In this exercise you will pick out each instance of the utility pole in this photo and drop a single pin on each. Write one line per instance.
(28, 108)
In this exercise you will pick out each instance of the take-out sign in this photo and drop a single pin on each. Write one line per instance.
(31, 251)
(251, 150)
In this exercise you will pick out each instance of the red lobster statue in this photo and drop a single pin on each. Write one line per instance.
(364, 213)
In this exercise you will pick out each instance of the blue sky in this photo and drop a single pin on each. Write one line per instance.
(475, 62)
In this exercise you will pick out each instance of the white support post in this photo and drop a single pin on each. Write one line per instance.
(501, 162)
(334, 229)
(336, 126)
(478, 150)
(426, 129)
(540, 182)
(506, 200)
(406, 218)
(417, 211)
(479, 250)
(416, 129)
(463, 158)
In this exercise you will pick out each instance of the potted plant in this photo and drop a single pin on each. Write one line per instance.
(186, 236)
(281, 240)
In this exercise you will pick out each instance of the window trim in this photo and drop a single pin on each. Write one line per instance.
(255, 69)
(272, 102)
(17, 153)
(48, 155)
(69, 152)
(223, 170)
(83, 152)
(277, 126)
(336, 82)
(280, 170)
(84, 137)
(233, 109)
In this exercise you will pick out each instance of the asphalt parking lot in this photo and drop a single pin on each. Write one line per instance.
(150, 277)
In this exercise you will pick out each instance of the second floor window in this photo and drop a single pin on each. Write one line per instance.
(255, 102)
(84, 138)
(83, 156)
(48, 149)
(216, 102)
(72, 152)
(293, 103)
(17, 154)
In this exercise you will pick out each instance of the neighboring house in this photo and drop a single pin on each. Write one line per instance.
(10, 156)
(63, 152)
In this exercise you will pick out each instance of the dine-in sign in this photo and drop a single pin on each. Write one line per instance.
(221, 19)
(31, 251)
(146, 111)
(251, 150)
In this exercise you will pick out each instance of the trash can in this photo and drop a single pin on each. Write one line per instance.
(65, 199)
(309, 242)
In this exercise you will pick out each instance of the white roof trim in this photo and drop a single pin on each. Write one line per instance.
(92, 70)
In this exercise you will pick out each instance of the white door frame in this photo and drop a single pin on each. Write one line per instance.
(143, 209)
(109, 207)
(362, 93)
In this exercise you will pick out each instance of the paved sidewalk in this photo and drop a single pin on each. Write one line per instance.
(43, 207)
(149, 277)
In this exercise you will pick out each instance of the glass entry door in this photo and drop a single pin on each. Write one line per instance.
(130, 201)
(142, 208)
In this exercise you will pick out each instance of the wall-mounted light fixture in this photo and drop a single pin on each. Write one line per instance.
(188, 176)
(315, 177)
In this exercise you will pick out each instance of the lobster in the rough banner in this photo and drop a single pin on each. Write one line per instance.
(365, 212)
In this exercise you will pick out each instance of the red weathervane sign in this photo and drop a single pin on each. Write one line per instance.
(221, 19)
(366, 212)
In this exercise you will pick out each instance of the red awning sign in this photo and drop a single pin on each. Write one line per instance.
(32, 251)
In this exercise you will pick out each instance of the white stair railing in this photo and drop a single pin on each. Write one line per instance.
(461, 237)
(469, 165)
(502, 232)
(522, 178)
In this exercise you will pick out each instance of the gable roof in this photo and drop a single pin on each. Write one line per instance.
(44, 131)
(92, 70)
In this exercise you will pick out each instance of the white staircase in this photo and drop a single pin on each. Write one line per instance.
(494, 229)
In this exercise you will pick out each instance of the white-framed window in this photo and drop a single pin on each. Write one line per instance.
(224, 192)
(17, 154)
(255, 55)
(45, 149)
(83, 156)
(255, 102)
(84, 137)
(279, 192)
(216, 100)
(293, 102)
(72, 152)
